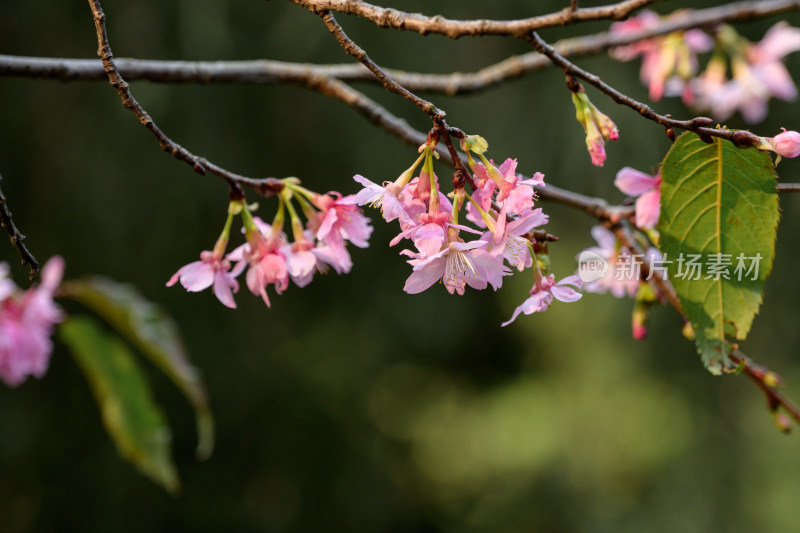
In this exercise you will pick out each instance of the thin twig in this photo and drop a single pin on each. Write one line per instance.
(761, 375)
(16, 237)
(392, 18)
(264, 71)
(436, 114)
(266, 186)
(698, 125)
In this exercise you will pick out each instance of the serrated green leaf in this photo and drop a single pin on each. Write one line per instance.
(154, 333)
(718, 199)
(131, 417)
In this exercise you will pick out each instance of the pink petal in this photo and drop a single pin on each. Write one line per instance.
(605, 238)
(197, 276)
(648, 208)
(780, 40)
(424, 277)
(429, 239)
(633, 182)
(223, 284)
(565, 294)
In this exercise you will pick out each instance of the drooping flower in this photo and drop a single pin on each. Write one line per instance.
(341, 221)
(26, 325)
(648, 190)
(261, 254)
(758, 74)
(544, 290)
(618, 279)
(457, 265)
(597, 125)
(210, 270)
(388, 196)
(512, 245)
(668, 61)
(213, 268)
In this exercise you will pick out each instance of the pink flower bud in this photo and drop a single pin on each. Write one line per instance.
(787, 144)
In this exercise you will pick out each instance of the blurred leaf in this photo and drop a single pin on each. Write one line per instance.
(718, 199)
(148, 328)
(134, 421)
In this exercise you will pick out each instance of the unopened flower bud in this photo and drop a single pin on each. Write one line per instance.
(787, 144)
(782, 422)
(474, 143)
(597, 126)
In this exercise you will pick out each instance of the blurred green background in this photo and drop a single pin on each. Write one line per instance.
(349, 405)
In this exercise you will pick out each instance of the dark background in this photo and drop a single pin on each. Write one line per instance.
(350, 405)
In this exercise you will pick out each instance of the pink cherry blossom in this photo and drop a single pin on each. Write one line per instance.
(648, 189)
(341, 220)
(667, 61)
(457, 265)
(385, 197)
(266, 264)
(26, 324)
(765, 58)
(618, 285)
(512, 245)
(758, 75)
(210, 270)
(544, 291)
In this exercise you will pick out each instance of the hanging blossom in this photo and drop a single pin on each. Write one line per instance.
(269, 257)
(26, 324)
(501, 211)
(648, 190)
(597, 125)
(620, 277)
(668, 61)
(544, 291)
(758, 74)
(213, 269)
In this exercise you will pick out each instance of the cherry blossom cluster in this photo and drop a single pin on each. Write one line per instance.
(269, 257)
(502, 215)
(26, 324)
(670, 66)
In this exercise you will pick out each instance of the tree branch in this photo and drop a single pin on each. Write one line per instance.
(437, 115)
(697, 125)
(762, 376)
(392, 18)
(265, 71)
(16, 237)
(266, 186)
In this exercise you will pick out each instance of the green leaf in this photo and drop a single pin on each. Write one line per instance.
(718, 199)
(154, 333)
(131, 417)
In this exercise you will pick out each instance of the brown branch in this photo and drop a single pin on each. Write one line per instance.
(264, 71)
(378, 115)
(16, 237)
(788, 187)
(437, 115)
(392, 18)
(698, 125)
(762, 376)
(266, 186)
